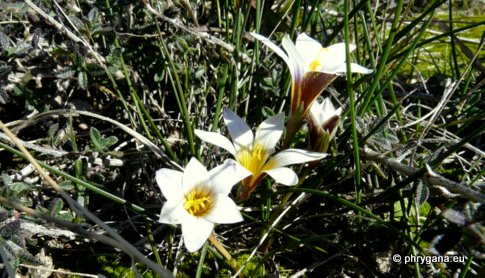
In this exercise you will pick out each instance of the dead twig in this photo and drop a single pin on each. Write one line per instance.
(431, 177)
(63, 112)
(34, 147)
(69, 273)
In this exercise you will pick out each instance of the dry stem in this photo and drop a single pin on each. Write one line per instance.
(431, 178)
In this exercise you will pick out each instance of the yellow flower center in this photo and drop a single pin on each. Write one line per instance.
(198, 202)
(253, 161)
(315, 64)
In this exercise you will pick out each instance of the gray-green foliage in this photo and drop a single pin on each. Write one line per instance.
(9, 188)
(80, 67)
(11, 49)
(56, 209)
(12, 241)
(99, 143)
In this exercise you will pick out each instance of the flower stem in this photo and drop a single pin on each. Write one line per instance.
(294, 124)
(224, 252)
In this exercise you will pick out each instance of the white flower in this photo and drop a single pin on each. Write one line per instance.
(323, 121)
(312, 67)
(253, 151)
(325, 113)
(326, 59)
(198, 199)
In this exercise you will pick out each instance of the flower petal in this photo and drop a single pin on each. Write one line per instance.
(196, 231)
(316, 110)
(225, 211)
(359, 69)
(296, 66)
(293, 54)
(308, 48)
(217, 139)
(269, 133)
(327, 111)
(173, 212)
(338, 112)
(241, 134)
(333, 60)
(339, 48)
(195, 174)
(292, 156)
(283, 175)
(327, 107)
(273, 47)
(297, 70)
(333, 57)
(313, 84)
(355, 68)
(224, 176)
(170, 183)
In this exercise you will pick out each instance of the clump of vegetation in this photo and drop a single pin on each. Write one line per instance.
(123, 103)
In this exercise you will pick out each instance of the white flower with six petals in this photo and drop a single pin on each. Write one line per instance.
(312, 67)
(197, 199)
(253, 150)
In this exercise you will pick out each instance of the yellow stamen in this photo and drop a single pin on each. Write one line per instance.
(198, 202)
(244, 157)
(315, 64)
(253, 160)
(258, 154)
